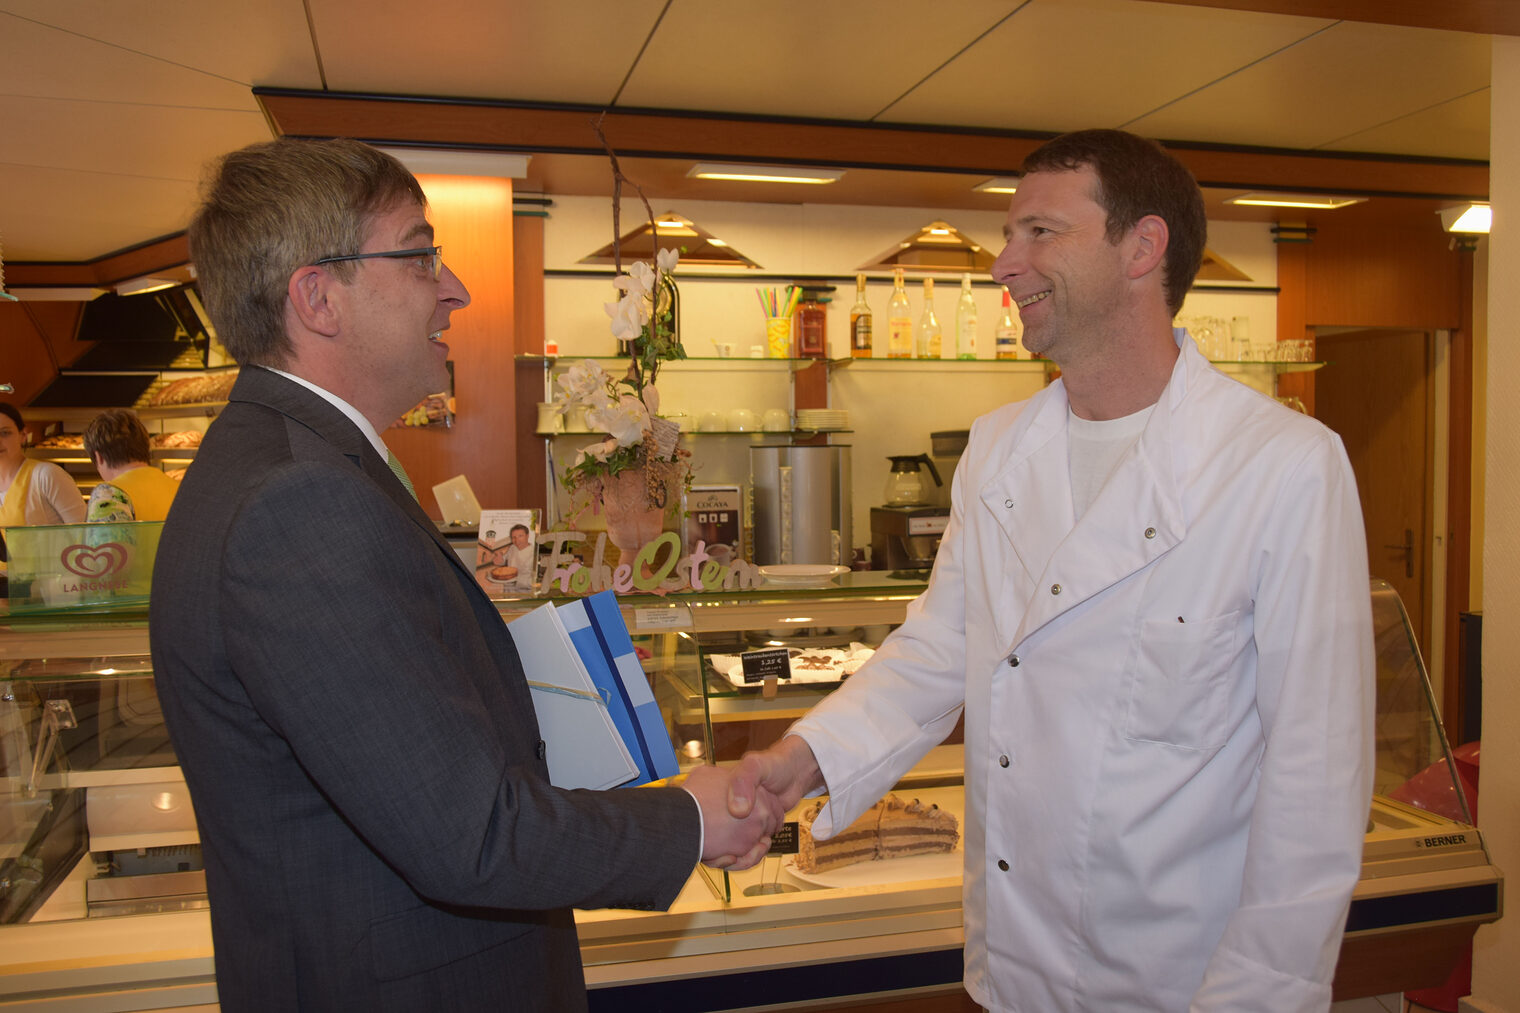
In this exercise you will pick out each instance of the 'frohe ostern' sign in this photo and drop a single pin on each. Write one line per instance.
(657, 568)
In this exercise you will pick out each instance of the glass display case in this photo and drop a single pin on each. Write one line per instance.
(101, 889)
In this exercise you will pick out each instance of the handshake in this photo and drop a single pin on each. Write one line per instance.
(745, 804)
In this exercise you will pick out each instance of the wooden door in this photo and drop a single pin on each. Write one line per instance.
(1376, 393)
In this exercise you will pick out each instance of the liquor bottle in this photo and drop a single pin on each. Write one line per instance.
(1006, 335)
(860, 322)
(929, 335)
(965, 321)
(812, 320)
(899, 323)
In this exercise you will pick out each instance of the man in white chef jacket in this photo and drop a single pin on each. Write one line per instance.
(1151, 604)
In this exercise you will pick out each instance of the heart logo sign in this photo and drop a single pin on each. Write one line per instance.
(94, 561)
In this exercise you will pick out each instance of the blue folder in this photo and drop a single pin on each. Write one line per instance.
(596, 629)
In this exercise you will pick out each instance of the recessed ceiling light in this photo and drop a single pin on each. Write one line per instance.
(1476, 216)
(764, 173)
(1322, 202)
(998, 184)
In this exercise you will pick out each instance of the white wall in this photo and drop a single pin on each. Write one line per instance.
(1496, 955)
(894, 406)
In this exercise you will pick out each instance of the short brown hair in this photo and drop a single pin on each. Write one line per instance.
(1137, 177)
(271, 208)
(118, 437)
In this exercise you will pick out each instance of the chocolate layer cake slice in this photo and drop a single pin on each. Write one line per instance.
(891, 828)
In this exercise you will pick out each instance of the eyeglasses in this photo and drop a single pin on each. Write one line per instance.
(422, 254)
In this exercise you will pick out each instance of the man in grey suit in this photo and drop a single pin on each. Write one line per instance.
(354, 724)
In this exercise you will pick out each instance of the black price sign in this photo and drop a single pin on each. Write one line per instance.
(784, 841)
(773, 663)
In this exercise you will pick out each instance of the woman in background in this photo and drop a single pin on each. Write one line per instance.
(132, 489)
(32, 492)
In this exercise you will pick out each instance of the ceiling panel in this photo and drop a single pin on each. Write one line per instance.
(110, 108)
(152, 141)
(1455, 129)
(847, 59)
(1067, 64)
(1375, 74)
(82, 215)
(248, 42)
(31, 55)
(505, 49)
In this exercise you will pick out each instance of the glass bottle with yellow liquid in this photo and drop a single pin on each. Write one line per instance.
(965, 321)
(899, 323)
(930, 337)
(860, 322)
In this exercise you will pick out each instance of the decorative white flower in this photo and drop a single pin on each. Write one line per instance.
(624, 421)
(667, 259)
(596, 450)
(585, 383)
(642, 276)
(629, 315)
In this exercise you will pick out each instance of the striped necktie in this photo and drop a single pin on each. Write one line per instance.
(400, 472)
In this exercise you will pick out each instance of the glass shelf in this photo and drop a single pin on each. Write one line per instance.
(875, 363)
(779, 433)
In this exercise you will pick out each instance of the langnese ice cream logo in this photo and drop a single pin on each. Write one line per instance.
(94, 562)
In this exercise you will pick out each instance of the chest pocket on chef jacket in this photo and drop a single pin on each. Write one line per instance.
(1179, 693)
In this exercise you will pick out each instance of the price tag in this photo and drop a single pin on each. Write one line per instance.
(647, 619)
(774, 663)
(784, 841)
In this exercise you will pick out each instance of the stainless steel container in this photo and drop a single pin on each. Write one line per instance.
(800, 501)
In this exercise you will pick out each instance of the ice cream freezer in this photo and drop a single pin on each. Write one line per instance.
(101, 892)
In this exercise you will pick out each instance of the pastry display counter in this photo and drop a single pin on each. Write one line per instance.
(102, 905)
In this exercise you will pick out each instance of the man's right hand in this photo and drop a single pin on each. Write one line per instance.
(787, 771)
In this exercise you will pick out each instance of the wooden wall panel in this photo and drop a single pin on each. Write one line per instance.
(36, 339)
(473, 221)
(528, 247)
(636, 133)
(1292, 316)
(1488, 17)
(1382, 277)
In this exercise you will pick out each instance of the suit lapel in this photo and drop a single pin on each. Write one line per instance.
(308, 409)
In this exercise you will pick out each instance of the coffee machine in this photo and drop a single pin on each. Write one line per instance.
(906, 537)
(906, 529)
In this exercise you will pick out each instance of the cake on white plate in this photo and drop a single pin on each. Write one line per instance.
(891, 828)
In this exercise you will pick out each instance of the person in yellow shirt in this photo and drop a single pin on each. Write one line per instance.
(132, 489)
(31, 491)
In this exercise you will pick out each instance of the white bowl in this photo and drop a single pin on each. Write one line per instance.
(712, 422)
(742, 420)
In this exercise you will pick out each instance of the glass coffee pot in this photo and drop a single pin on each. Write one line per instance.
(905, 482)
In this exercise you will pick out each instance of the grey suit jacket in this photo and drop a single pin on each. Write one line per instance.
(359, 742)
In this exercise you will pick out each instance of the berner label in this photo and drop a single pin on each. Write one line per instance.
(771, 663)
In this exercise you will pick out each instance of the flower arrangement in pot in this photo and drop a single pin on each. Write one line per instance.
(636, 472)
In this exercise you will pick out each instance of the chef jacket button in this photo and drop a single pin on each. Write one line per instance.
(1008, 503)
(542, 750)
(1055, 589)
(1013, 661)
(1003, 760)
(1003, 865)
(1150, 532)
